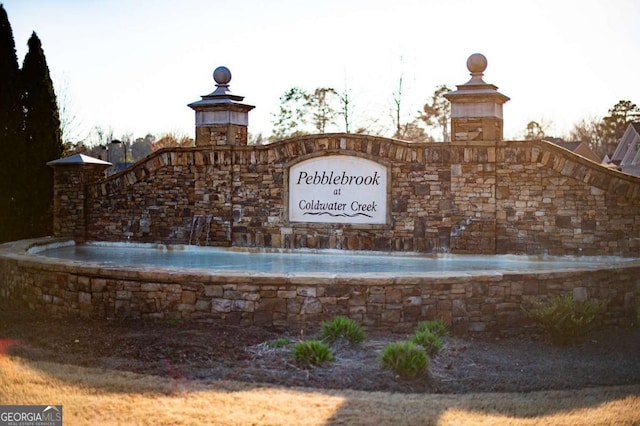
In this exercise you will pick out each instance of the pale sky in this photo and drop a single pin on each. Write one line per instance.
(134, 65)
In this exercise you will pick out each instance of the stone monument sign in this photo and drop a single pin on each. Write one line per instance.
(338, 189)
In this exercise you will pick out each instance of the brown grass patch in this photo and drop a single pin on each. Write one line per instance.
(98, 396)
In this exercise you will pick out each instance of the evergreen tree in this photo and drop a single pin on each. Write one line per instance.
(614, 124)
(43, 138)
(12, 142)
(292, 117)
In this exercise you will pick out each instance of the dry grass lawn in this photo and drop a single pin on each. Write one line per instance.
(94, 396)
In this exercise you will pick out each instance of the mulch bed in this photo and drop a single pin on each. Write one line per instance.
(210, 350)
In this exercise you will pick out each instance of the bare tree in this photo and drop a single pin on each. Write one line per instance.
(437, 113)
(321, 107)
(172, 140)
(397, 106)
(589, 130)
(413, 132)
(142, 147)
(345, 109)
(372, 126)
(603, 135)
(101, 136)
(69, 124)
(257, 139)
(534, 131)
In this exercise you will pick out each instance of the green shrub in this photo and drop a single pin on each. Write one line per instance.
(312, 352)
(342, 327)
(278, 343)
(431, 342)
(566, 320)
(406, 359)
(435, 327)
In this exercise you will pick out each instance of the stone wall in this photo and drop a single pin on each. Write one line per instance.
(477, 194)
(471, 302)
(69, 198)
(552, 201)
(465, 197)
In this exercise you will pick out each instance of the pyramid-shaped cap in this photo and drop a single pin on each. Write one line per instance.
(78, 159)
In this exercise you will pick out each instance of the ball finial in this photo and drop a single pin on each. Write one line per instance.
(477, 63)
(222, 75)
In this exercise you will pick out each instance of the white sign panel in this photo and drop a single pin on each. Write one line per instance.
(338, 189)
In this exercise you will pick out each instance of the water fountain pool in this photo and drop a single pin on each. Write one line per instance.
(386, 291)
(312, 261)
(478, 194)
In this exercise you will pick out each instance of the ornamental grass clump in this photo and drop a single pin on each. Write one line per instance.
(431, 342)
(434, 327)
(313, 352)
(406, 359)
(278, 343)
(342, 328)
(566, 320)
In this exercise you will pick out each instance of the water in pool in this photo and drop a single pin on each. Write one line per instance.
(323, 261)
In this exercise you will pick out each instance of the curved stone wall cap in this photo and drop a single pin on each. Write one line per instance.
(78, 159)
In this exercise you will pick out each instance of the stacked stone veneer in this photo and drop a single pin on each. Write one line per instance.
(465, 197)
(482, 302)
(70, 191)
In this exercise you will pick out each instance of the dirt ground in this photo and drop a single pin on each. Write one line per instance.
(209, 350)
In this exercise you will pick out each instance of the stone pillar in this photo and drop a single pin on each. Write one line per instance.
(221, 117)
(476, 107)
(71, 175)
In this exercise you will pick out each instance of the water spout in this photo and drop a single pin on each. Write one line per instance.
(454, 233)
(522, 241)
(460, 227)
(199, 223)
(226, 224)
